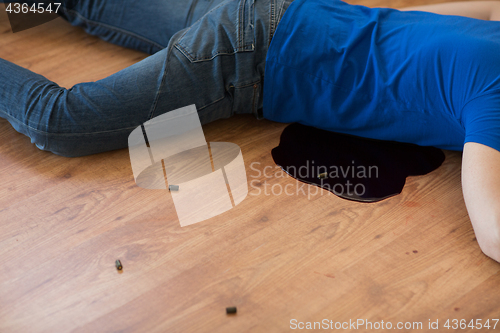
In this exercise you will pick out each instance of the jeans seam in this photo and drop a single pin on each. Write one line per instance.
(157, 97)
(276, 16)
(187, 54)
(211, 103)
(247, 85)
(115, 29)
(281, 9)
(45, 132)
(271, 15)
(239, 23)
(220, 99)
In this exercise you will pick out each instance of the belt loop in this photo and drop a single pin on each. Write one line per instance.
(245, 25)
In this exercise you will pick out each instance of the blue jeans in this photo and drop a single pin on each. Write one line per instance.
(210, 53)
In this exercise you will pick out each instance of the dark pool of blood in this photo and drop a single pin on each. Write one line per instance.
(357, 168)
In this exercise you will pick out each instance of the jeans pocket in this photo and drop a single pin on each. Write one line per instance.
(226, 29)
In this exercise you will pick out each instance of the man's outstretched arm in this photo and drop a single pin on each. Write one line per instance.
(481, 188)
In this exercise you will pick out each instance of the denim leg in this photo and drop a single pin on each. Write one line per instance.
(142, 25)
(216, 64)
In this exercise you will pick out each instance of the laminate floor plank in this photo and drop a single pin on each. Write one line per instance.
(307, 256)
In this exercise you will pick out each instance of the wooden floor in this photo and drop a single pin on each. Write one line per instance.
(64, 222)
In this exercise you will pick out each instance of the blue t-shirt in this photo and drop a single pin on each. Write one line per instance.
(380, 73)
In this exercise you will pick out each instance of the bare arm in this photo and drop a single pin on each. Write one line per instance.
(484, 10)
(481, 188)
